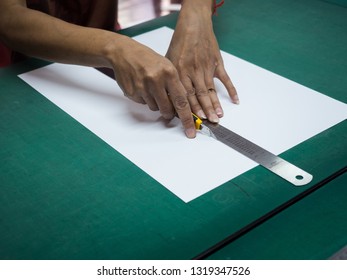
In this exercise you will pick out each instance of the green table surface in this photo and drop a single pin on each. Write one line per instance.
(66, 194)
(313, 228)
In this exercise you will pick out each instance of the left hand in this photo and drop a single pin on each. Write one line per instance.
(195, 53)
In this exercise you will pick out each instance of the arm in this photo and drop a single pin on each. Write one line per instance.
(144, 76)
(195, 53)
(37, 34)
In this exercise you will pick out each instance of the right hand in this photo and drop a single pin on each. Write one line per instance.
(149, 78)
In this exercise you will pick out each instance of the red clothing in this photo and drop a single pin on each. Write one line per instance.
(91, 13)
(5, 56)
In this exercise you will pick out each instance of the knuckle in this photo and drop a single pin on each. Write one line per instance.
(190, 92)
(170, 71)
(180, 102)
(151, 76)
(201, 92)
(211, 90)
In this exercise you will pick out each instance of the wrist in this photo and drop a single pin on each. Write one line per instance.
(114, 47)
(205, 7)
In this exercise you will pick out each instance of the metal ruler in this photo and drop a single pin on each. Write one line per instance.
(277, 165)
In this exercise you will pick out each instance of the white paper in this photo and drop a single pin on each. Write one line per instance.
(275, 113)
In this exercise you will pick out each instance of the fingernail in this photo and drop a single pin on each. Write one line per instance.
(236, 100)
(190, 132)
(201, 114)
(214, 118)
(219, 112)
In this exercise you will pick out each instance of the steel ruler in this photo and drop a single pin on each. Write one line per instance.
(274, 163)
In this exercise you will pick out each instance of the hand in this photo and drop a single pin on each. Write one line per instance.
(149, 78)
(195, 53)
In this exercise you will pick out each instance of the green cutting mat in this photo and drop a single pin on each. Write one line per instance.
(65, 194)
(314, 228)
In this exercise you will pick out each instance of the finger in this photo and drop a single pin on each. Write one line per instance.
(150, 101)
(161, 99)
(181, 104)
(214, 96)
(135, 98)
(202, 95)
(193, 101)
(166, 108)
(223, 76)
(215, 102)
(129, 91)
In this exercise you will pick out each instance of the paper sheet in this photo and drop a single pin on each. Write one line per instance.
(275, 113)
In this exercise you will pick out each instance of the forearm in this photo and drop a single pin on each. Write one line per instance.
(37, 34)
(143, 75)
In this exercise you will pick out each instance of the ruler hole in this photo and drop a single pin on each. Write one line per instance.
(299, 177)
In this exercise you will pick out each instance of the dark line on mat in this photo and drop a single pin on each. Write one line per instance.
(267, 216)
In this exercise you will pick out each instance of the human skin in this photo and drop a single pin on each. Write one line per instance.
(144, 76)
(196, 55)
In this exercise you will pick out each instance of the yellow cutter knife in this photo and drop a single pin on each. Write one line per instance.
(277, 165)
